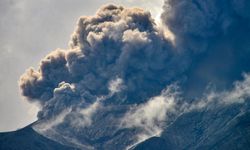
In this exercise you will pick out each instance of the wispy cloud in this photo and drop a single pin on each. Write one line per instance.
(152, 116)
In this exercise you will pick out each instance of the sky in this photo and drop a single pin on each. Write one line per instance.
(29, 30)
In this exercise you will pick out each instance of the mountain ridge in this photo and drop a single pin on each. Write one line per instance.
(27, 139)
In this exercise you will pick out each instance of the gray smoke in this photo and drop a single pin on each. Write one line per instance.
(104, 86)
(117, 59)
(213, 32)
(117, 42)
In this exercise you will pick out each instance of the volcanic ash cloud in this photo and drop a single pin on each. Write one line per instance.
(117, 58)
(120, 64)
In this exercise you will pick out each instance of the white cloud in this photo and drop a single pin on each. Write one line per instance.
(87, 114)
(47, 125)
(151, 116)
(238, 94)
(116, 85)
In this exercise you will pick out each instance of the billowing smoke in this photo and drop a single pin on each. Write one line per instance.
(204, 19)
(116, 79)
(39, 85)
(117, 42)
(214, 32)
(117, 58)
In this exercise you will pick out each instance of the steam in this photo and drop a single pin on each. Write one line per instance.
(152, 116)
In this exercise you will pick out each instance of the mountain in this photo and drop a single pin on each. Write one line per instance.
(152, 144)
(27, 139)
(215, 129)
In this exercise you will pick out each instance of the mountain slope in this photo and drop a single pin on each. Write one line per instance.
(212, 129)
(216, 128)
(154, 143)
(28, 139)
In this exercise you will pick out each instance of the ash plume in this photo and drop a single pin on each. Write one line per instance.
(117, 58)
(119, 65)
